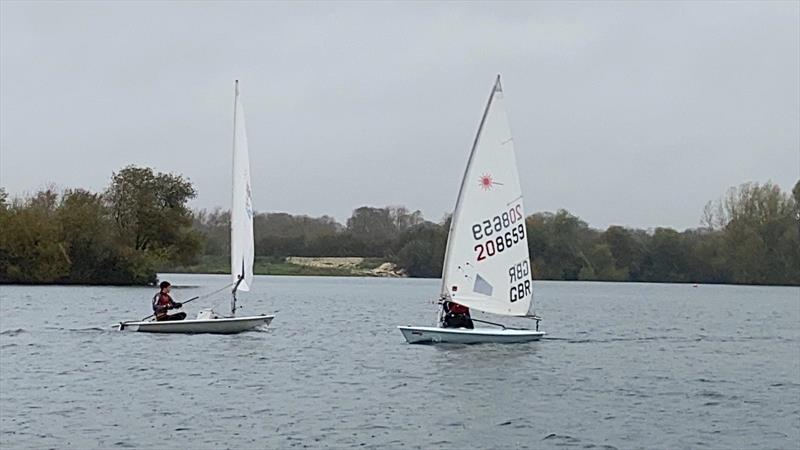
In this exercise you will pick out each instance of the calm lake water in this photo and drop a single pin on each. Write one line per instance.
(626, 366)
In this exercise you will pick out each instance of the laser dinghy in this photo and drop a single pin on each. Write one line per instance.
(242, 253)
(487, 266)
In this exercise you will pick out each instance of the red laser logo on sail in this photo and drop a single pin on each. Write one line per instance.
(487, 183)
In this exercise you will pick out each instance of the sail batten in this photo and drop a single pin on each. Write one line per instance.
(242, 243)
(487, 265)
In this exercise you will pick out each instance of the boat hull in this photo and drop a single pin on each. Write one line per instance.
(225, 325)
(434, 335)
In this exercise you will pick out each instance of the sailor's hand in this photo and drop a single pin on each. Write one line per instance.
(178, 305)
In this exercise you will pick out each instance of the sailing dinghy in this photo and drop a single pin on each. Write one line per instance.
(242, 252)
(487, 266)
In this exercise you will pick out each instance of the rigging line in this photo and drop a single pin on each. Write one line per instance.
(239, 280)
(217, 292)
(505, 327)
(488, 323)
(219, 303)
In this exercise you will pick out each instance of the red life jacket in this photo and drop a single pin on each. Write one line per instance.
(455, 308)
(161, 303)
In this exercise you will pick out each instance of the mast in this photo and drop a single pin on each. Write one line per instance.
(233, 292)
(497, 87)
(233, 195)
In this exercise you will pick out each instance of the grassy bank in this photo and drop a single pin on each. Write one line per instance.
(340, 267)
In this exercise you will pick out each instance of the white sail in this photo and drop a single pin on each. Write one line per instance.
(242, 246)
(487, 266)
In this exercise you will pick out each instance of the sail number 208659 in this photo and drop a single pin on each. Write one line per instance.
(509, 228)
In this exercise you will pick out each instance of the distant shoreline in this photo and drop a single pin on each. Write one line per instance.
(292, 269)
(298, 265)
(349, 267)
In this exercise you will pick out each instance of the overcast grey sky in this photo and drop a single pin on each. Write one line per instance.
(633, 113)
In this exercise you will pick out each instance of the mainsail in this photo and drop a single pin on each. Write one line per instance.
(242, 247)
(487, 266)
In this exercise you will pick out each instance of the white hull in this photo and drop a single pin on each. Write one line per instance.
(434, 335)
(224, 325)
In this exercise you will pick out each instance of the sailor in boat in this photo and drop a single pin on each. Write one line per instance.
(162, 302)
(455, 315)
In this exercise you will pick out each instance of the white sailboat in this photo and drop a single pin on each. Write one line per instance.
(242, 252)
(487, 266)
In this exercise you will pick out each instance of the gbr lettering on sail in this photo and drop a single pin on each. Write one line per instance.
(499, 233)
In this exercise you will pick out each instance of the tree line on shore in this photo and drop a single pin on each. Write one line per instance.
(141, 223)
(119, 236)
(749, 236)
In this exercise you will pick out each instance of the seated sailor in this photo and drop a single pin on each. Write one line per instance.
(455, 316)
(162, 302)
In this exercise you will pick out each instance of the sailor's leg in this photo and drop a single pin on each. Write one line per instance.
(448, 321)
(178, 316)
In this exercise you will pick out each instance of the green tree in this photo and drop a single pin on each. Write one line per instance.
(375, 226)
(760, 229)
(30, 242)
(751, 235)
(281, 234)
(796, 198)
(666, 258)
(215, 228)
(707, 261)
(86, 232)
(150, 214)
(4, 234)
(603, 265)
(93, 253)
(3, 200)
(558, 244)
(421, 249)
(626, 248)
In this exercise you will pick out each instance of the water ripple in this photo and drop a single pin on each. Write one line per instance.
(332, 372)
